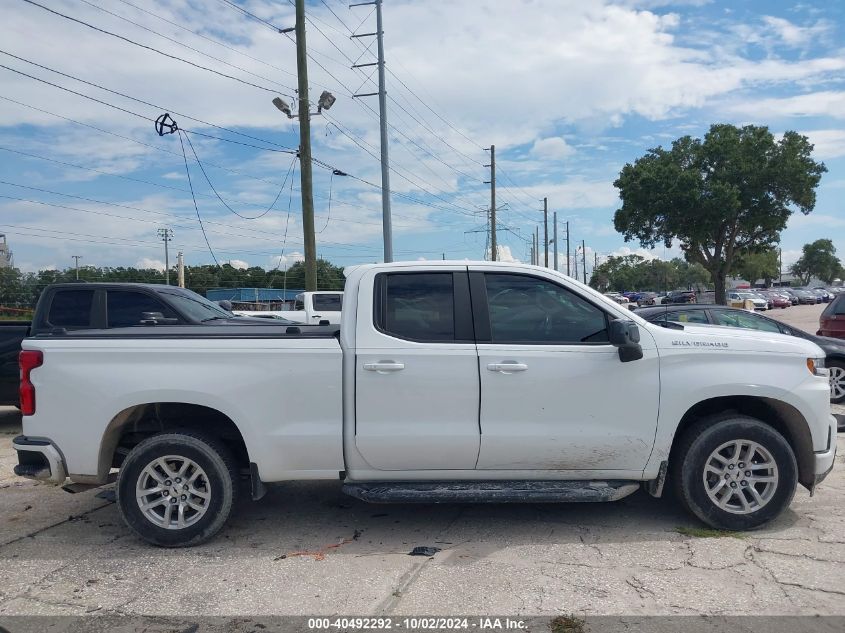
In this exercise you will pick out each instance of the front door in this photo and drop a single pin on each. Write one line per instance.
(416, 374)
(554, 393)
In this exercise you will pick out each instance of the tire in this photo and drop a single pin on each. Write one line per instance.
(205, 496)
(837, 374)
(772, 460)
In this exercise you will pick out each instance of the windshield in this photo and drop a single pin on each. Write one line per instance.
(197, 308)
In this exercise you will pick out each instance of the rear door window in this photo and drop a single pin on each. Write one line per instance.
(418, 306)
(71, 308)
(127, 308)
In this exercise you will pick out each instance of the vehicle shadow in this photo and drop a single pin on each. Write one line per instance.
(312, 518)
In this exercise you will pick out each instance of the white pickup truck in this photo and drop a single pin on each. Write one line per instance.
(446, 382)
(309, 308)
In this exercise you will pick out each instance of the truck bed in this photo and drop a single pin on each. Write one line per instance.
(282, 386)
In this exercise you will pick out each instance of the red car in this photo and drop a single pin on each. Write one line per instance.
(776, 300)
(832, 320)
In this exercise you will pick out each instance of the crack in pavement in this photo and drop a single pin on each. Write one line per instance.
(70, 519)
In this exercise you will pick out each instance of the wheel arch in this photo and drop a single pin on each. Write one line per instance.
(137, 422)
(783, 417)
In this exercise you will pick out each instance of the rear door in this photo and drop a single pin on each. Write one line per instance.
(417, 390)
(554, 393)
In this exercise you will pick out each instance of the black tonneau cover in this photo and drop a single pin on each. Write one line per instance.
(200, 332)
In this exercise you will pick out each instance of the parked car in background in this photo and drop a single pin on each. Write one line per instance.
(832, 319)
(789, 293)
(647, 299)
(11, 335)
(834, 349)
(738, 299)
(777, 300)
(309, 308)
(70, 307)
(617, 297)
(805, 297)
(822, 293)
(681, 296)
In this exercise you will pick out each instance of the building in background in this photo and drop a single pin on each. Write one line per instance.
(255, 298)
(6, 260)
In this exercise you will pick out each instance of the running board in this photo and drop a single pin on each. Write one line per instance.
(490, 491)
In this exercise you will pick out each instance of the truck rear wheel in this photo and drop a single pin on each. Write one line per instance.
(177, 489)
(735, 472)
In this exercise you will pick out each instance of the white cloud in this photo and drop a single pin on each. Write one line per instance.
(149, 263)
(792, 34)
(504, 254)
(238, 264)
(554, 148)
(625, 251)
(283, 262)
(822, 103)
(827, 143)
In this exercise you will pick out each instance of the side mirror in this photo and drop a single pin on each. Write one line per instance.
(625, 335)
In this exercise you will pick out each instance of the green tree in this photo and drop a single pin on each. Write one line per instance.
(633, 272)
(722, 196)
(818, 259)
(763, 265)
(329, 276)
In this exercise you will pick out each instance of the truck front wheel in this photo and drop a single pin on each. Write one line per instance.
(734, 472)
(177, 489)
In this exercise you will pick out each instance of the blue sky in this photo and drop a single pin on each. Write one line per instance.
(567, 90)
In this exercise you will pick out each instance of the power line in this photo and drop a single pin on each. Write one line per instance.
(208, 180)
(151, 48)
(288, 150)
(207, 38)
(126, 96)
(191, 48)
(252, 15)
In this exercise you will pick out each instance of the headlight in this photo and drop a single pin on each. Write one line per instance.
(817, 368)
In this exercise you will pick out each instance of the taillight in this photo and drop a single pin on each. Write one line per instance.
(28, 360)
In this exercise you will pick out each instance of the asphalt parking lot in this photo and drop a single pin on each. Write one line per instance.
(308, 549)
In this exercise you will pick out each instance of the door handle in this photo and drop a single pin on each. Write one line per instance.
(507, 367)
(384, 366)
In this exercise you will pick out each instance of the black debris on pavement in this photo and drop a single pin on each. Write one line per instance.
(423, 550)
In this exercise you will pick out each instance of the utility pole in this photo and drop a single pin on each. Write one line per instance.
(584, 260)
(180, 269)
(77, 258)
(306, 182)
(537, 245)
(546, 230)
(595, 261)
(492, 182)
(554, 238)
(780, 266)
(166, 235)
(567, 249)
(575, 262)
(387, 224)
